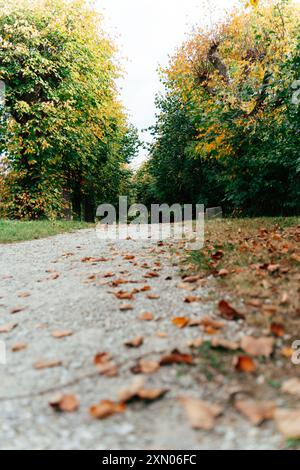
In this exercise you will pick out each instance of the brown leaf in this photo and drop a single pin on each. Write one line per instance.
(225, 344)
(151, 394)
(124, 295)
(201, 414)
(67, 403)
(186, 286)
(126, 394)
(108, 369)
(16, 310)
(153, 296)
(228, 312)
(128, 257)
(176, 357)
(287, 352)
(8, 328)
(257, 346)
(209, 322)
(89, 259)
(145, 367)
(18, 347)
(192, 279)
(146, 316)
(195, 343)
(126, 307)
(291, 386)
(223, 272)
(272, 268)
(256, 411)
(191, 299)
(180, 322)
(135, 343)
(101, 358)
(244, 364)
(151, 274)
(106, 408)
(277, 329)
(61, 334)
(24, 294)
(288, 422)
(47, 364)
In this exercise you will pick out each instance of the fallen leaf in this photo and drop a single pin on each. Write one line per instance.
(153, 296)
(244, 364)
(24, 294)
(254, 303)
(291, 386)
(257, 346)
(61, 334)
(16, 310)
(191, 299)
(288, 422)
(151, 394)
(209, 322)
(123, 295)
(180, 322)
(228, 312)
(272, 268)
(195, 343)
(223, 272)
(108, 369)
(128, 257)
(101, 358)
(256, 411)
(287, 352)
(161, 334)
(89, 259)
(106, 408)
(18, 347)
(135, 343)
(201, 414)
(176, 357)
(277, 329)
(126, 394)
(126, 307)
(225, 344)
(68, 403)
(192, 279)
(145, 367)
(47, 364)
(8, 328)
(146, 316)
(186, 286)
(151, 274)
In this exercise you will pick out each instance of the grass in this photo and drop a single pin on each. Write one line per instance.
(257, 261)
(18, 231)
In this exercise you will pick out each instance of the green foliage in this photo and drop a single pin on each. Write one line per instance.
(227, 132)
(62, 129)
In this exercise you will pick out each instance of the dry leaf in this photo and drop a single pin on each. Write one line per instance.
(145, 367)
(180, 322)
(191, 299)
(151, 274)
(161, 334)
(291, 386)
(176, 357)
(287, 352)
(124, 295)
(146, 316)
(288, 422)
(101, 358)
(24, 294)
(61, 334)
(151, 394)
(129, 257)
(209, 322)
(68, 403)
(108, 369)
(106, 408)
(17, 310)
(228, 312)
(135, 343)
(126, 307)
(131, 391)
(186, 286)
(257, 346)
(201, 415)
(8, 328)
(19, 347)
(153, 296)
(225, 344)
(256, 411)
(244, 364)
(223, 272)
(195, 343)
(47, 364)
(192, 279)
(277, 329)
(89, 259)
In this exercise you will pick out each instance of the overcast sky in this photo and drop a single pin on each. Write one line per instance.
(147, 32)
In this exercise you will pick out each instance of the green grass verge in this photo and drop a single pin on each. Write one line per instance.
(17, 231)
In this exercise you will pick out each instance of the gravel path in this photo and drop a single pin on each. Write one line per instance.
(68, 294)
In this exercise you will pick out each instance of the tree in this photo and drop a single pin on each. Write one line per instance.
(63, 127)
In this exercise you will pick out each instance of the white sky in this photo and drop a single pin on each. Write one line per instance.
(147, 32)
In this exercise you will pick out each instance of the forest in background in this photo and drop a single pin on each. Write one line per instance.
(227, 127)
